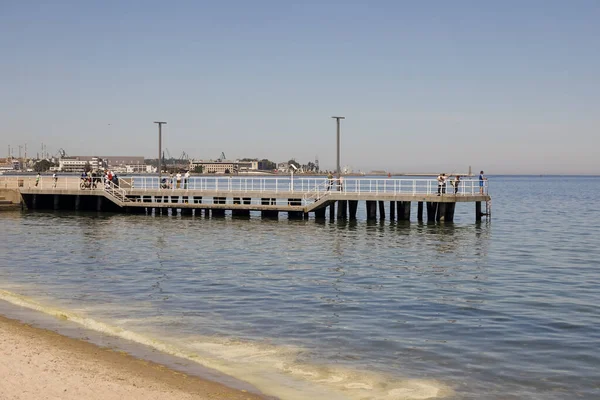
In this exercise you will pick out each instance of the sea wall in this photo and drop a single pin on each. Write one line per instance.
(10, 199)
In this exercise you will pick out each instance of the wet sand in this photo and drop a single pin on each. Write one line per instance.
(41, 364)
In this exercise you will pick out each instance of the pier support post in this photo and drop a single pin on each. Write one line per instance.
(98, 203)
(478, 211)
(186, 211)
(295, 215)
(353, 206)
(381, 209)
(420, 211)
(34, 201)
(400, 207)
(56, 201)
(406, 205)
(371, 210)
(320, 213)
(392, 210)
(269, 214)
(342, 210)
(450, 212)
(240, 213)
(332, 211)
(441, 212)
(77, 202)
(431, 211)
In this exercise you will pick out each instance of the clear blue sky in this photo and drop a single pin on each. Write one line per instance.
(509, 87)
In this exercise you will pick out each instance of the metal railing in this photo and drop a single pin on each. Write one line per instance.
(309, 188)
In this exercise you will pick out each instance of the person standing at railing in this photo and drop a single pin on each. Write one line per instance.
(178, 176)
(441, 183)
(329, 180)
(186, 179)
(482, 180)
(456, 183)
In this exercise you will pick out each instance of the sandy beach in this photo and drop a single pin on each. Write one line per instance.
(40, 364)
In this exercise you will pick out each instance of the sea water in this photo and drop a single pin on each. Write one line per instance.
(506, 308)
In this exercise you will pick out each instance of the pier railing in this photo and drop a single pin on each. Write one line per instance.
(309, 188)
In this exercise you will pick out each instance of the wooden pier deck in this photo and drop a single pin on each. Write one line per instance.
(270, 196)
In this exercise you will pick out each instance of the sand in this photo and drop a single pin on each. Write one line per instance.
(40, 364)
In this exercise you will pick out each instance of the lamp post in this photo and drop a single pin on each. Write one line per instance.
(338, 149)
(160, 124)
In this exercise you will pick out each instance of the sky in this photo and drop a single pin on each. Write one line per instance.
(510, 87)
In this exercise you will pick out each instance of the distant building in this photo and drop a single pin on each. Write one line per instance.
(283, 167)
(224, 166)
(119, 163)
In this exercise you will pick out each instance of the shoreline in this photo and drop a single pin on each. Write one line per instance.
(41, 363)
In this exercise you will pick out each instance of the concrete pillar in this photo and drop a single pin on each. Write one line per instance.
(371, 210)
(332, 211)
(406, 205)
(320, 213)
(240, 213)
(478, 211)
(392, 210)
(420, 211)
(450, 212)
(342, 211)
(382, 210)
(295, 215)
(269, 214)
(353, 206)
(98, 203)
(431, 211)
(56, 201)
(34, 201)
(400, 206)
(441, 212)
(77, 202)
(218, 212)
(186, 211)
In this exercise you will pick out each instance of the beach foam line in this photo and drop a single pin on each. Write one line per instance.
(275, 370)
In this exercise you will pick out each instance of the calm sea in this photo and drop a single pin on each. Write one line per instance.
(504, 309)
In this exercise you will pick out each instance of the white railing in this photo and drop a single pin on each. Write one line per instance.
(308, 188)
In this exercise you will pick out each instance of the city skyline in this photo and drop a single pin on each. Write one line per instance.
(508, 88)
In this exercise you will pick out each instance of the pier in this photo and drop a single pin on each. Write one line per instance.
(299, 198)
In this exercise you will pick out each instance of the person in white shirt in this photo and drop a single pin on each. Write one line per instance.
(55, 179)
(186, 179)
(441, 183)
(178, 177)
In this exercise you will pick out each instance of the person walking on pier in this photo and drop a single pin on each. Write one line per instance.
(178, 180)
(482, 180)
(55, 179)
(456, 183)
(37, 179)
(441, 183)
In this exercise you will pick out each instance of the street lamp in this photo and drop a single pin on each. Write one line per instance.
(160, 124)
(338, 149)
